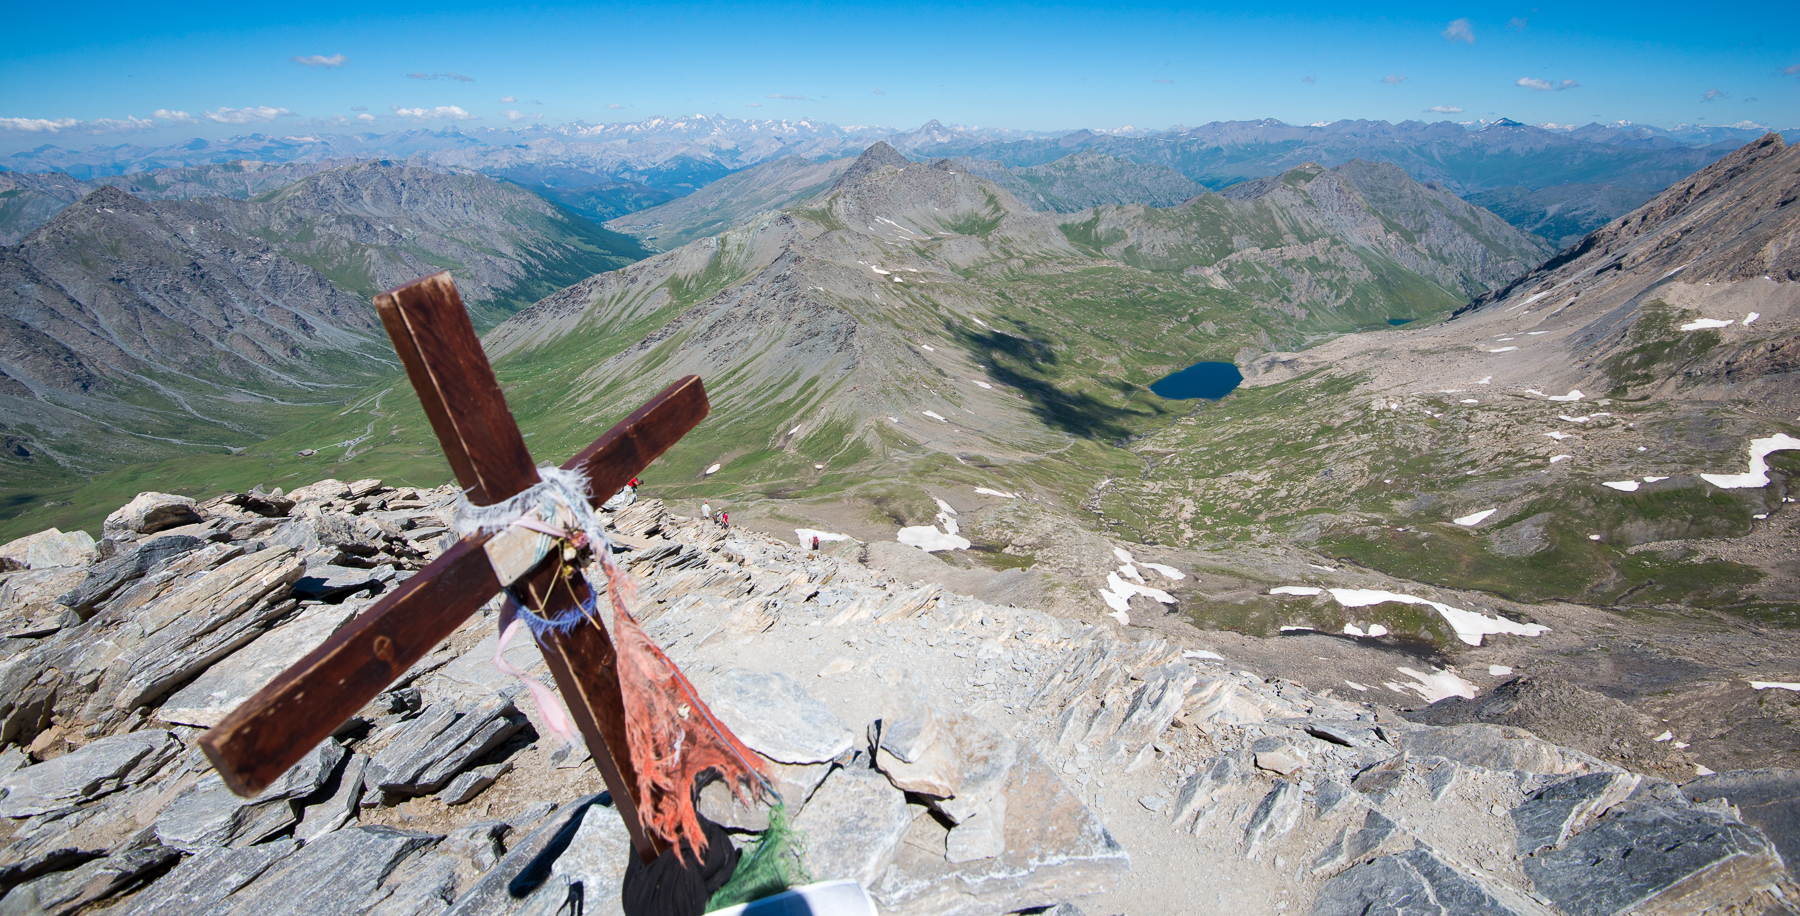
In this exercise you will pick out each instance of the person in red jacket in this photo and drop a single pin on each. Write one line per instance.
(724, 519)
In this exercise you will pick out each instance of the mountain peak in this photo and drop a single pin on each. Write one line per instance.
(877, 156)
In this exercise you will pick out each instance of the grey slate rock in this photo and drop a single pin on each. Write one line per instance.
(528, 865)
(203, 880)
(133, 562)
(86, 773)
(1415, 883)
(1274, 816)
(471, 783)
(426, 892)
(1558, 811)
(339, 875)
(480, 844)
(338, 808)
(593, 856)
(209, 816)
(775, 716)
(1654, 856)
(68, 891)
(332, 584)
(1198, 789)
(430, 749)
(205, 700)
(1768, 799)
(853, 824)
(1354, 843)
(148, 513)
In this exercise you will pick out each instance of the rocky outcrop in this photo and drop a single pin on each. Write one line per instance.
(964, 759)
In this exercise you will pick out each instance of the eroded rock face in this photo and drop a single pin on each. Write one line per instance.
(149, 513)
(98, 769)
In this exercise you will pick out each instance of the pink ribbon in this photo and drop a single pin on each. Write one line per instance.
(549, 708)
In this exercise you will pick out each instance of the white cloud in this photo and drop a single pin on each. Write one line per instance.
(509, 100)
(614, 107)
(1445, 109)
(1517, 23)
(752, 104)
(449, 112)
(1393, 79)
(1459, 30)
(366, 118)
(1546, 85)
(359, 108)
(38, 125)
(513, 115)
(257, 115)
(790, 98)
(320, 60)
(1791, 71)
(178, 117)
(452, 75)
(1711, 94)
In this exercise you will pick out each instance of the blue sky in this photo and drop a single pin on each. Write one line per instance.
(218, 70)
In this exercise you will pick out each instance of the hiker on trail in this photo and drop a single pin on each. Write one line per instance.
(634, 483)
(724, 519)
(815, 542)
(706, 511)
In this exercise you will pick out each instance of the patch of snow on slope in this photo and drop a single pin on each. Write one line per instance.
(1503, 350)
(929, 539)
(1469, 521)
(1558, 435)
(1774, 685)
(1438, 685)
(1758, 475)
(982, 383)
(1629, 486)
(1470, 626)
(1751, 317)
(1701, 324)
(1555, 458)
(1000, 493)
(1168, 572)
(1499, 670)
(712, 470)
(807, 534)
(936, 416)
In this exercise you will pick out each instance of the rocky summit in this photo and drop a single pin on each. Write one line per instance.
(952, 755)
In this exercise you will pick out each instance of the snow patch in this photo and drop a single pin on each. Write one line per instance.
(1774, 685)
(982, 383)
(1758, 475)
(1203, 654)
(928, 348)
(1470, 626)
(1438, 685)
(1469, 521)
(1559, 435)
(1701, 324)
(1628, 486)
(1501, 350)
(1499, 670)
(713, 470)
(1000, 493)
(1355, 686)
(1470, 401)
(1167, 572)
(1654, 479)
(936, 416)
(807, 534)
(1555, 458)
(1751, 317)
(1376, 629)
(1485, 380)
(929, 539)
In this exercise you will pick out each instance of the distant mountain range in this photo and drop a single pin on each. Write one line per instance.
(609, 170)
(134, 330)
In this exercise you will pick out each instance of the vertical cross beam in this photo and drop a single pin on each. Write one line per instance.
(462, 398)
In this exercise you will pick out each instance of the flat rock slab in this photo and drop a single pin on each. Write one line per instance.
(86, 773)
(151, 512)
(1416, 883)
(594, 857)
(1656, 858)
(338, 875)
(50, 548)
(425, 752)
(853, 825)
(1055, 850)
(1768, 799)
(775, 716)
(1498, 747)
(209, 697)
(1556, 812)
(199, 883)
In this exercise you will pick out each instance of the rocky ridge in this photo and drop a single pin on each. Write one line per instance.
(952, 755)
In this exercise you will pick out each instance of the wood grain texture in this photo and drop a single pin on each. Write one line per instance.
(304, 705)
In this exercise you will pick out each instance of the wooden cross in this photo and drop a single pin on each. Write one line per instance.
(304, 705)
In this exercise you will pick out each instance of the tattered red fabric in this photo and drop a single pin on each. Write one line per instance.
(674, 737)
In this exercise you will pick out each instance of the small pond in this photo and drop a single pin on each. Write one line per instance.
(1396, 322)
(1211, 380)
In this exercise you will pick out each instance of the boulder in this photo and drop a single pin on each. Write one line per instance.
(775, 716)
(1656, 858)
(100, 768)
(1055, 849)
(1197, 790)
(208, 815)
(149, 513)
(50, 548)
(1274, 816)
(331, 583)
(339, 807)
(1355, 842)
(853, 825)
(962, 765)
